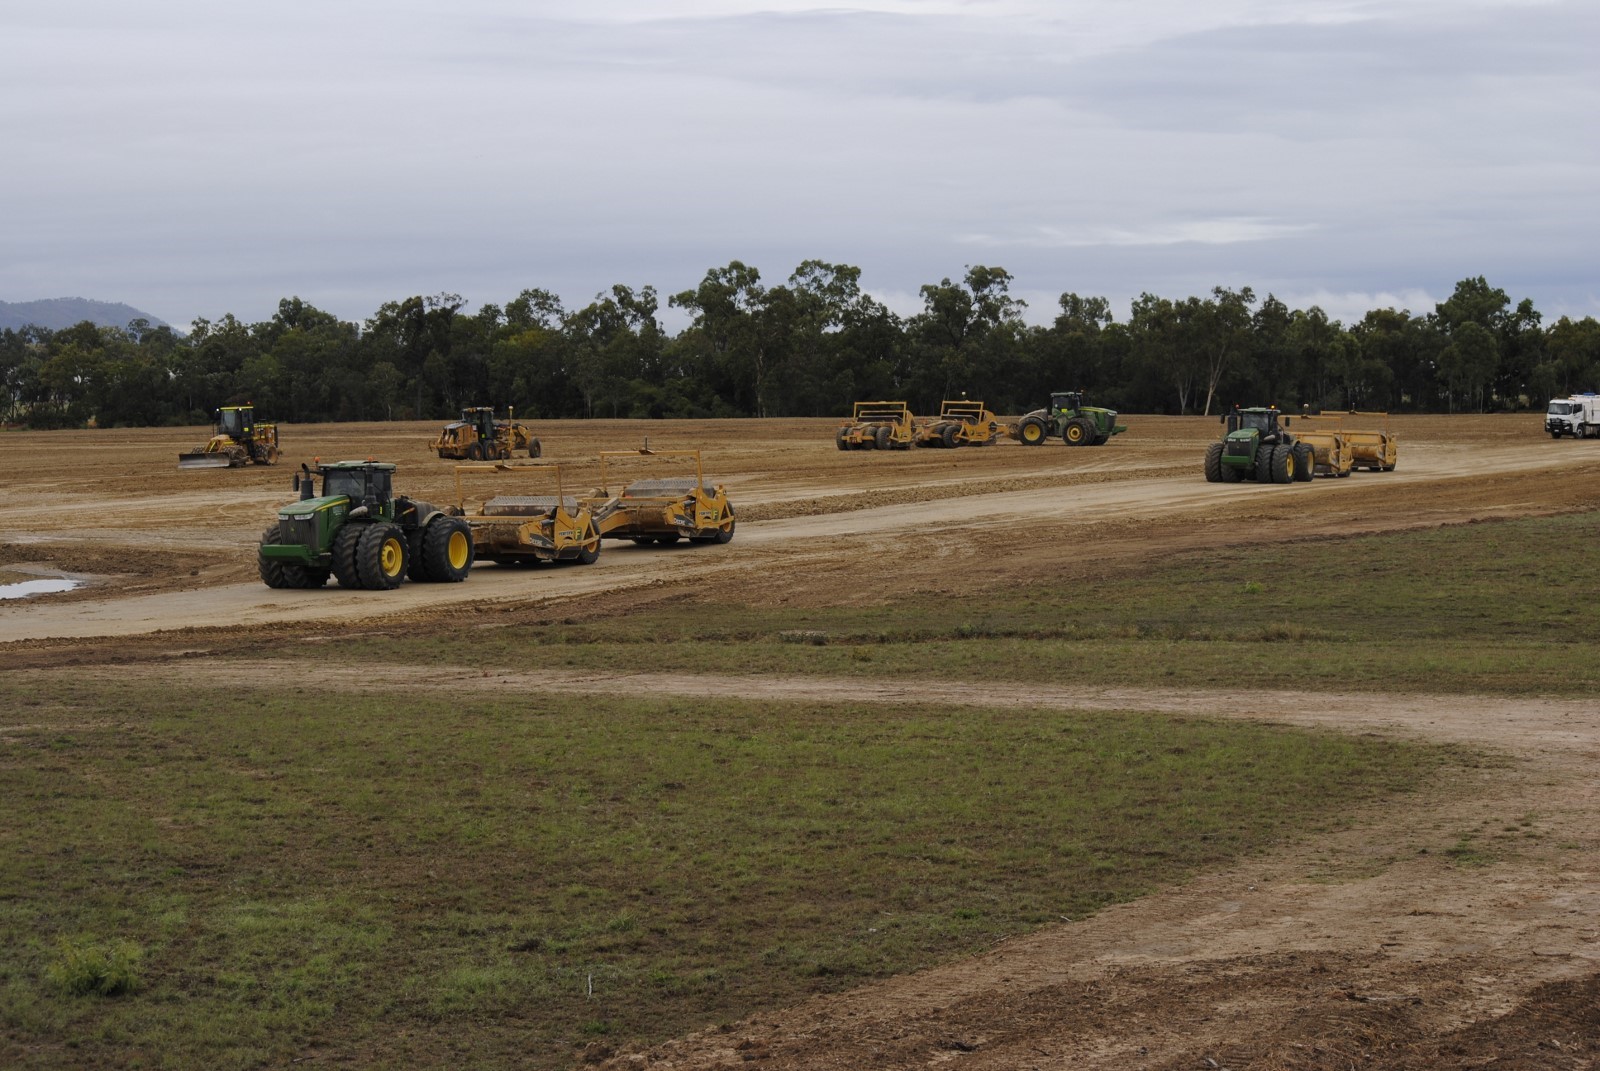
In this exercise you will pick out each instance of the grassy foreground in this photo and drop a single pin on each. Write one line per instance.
(1480, 608)
(244, 878)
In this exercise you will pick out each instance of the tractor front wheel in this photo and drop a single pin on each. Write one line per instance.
(381, 557)
(1213, 466)
(1078, 432)
(270, 569)
(447, 550)
(343, 550)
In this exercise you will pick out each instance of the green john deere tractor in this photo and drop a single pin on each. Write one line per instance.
(1069, 420)
(1257, 446)
(360, 534)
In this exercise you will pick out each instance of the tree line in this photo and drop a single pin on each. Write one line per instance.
(809, 346)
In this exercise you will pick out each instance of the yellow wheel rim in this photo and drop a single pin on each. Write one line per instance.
(391, 558)
(1031, 433)
(459, 551)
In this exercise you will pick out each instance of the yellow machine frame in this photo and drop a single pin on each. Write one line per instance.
(877, 426)
(661, 510)
(525, 530)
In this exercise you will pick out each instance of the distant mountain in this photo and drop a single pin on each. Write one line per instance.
(56, 313)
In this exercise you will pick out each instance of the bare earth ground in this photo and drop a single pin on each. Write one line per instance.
(1375, 947)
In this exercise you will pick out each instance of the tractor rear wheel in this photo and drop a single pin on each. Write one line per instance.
(381, 557)
(345, 542)
(1031, 432)
(1213, 465)
(447, 550)
(1305, 463)
(1282, 463)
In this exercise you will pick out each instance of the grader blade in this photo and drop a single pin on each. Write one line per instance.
(202, 459)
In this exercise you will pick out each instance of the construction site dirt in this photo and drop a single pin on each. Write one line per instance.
(1412, 964)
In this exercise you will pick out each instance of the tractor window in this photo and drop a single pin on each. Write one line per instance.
(1259, 421)
(231, 421)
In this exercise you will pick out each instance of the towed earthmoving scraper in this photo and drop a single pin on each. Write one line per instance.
(238, 441)
(959, 423)
(876, 426)
(1069, 420)
(523, 529)
(359, 533)
(478, 436)
(661, 509)
(1257, 445)
(1371, 444)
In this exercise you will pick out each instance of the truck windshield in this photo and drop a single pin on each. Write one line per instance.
(1563, 408)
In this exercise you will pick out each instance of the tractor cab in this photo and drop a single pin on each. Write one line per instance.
(364, 483)
(1066, 402)
(1263, 421)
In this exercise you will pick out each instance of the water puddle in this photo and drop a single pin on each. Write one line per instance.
(28, 588)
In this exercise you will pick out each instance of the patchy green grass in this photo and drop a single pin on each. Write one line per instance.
(1474, 608)
(405, 882)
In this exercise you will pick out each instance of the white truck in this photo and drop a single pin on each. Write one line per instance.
(1578, 416)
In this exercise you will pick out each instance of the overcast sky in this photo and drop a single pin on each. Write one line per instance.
(200, 158)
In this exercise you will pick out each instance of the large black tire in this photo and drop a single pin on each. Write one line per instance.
(725, 531)
(475, 451)
(270, 569)
(1213, 466)
(947, 436)
(1032, 432)
(588, 555)
(1078, 432)
(534, 448)
(1263, 466)
(416, 567)
(882, 437)
(381, 557)
(841, 438)
(345, 542)
(1283, 463)
(447, 550)
(1231, 474)
(1305, 463)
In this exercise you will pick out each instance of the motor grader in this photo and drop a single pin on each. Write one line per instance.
(478, 436)
(959, 423)
(1257, 445)
(876, 426)
(358, 532)
(1069, 420)
(522, 529)
(660, 510)
(238, 441)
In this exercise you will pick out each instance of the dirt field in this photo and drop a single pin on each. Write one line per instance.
(1357, 950)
